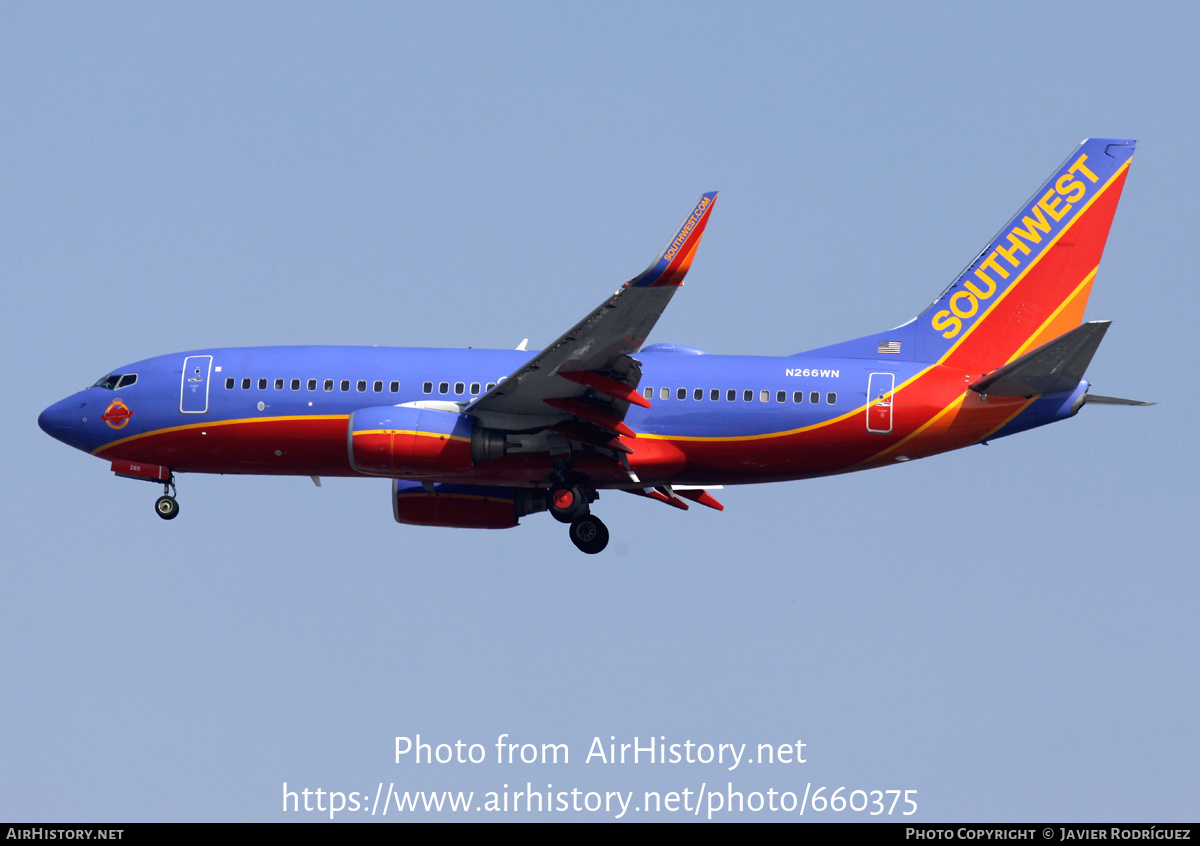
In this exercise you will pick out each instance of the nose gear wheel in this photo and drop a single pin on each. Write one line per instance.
(166, 507)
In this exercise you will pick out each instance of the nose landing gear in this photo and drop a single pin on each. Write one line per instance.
(165, 506)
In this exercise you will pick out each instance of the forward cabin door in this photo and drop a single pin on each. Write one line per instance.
(193, 394)
(879, 403)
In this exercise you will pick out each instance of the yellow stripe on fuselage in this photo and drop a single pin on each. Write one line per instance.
(358, 432)
(210, 424)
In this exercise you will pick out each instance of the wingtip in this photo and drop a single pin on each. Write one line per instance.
(674, 261)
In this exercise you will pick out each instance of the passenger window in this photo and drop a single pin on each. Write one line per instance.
(730, 395)
(798, 396)
(764, 395)
(262, 384)
(460, 388)
(345, 386)
(831, 398)
(714, 394)
(648, 393)
(279, 384)
(328, 385)
(312, 384)
(698, 394)
(362, 385)
(681, 393)
(229, 383)
(474, 388)
(127, 380)
(246, 384)
(443, 387)
(664, 393)
(295, 384)
(781, 396)
(491, 385)
(814, 397)
(747, 395)
(378, 386)
(427, 388)
(394, 387)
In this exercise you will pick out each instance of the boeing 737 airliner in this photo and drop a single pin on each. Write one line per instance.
(481, 438)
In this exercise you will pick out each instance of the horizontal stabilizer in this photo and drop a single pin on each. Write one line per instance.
(1099, 400)
(1051, 368)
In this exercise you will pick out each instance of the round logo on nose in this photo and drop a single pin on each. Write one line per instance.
(117, 414)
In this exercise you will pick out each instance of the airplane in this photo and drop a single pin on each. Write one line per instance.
(481, 438)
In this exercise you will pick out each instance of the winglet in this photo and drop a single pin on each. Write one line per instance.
(673, 262)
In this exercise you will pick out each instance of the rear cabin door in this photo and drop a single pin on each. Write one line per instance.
(879, 403)
(193, 394)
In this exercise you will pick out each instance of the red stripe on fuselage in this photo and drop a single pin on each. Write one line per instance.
(291, 446)
(318, 446)
(932, 413)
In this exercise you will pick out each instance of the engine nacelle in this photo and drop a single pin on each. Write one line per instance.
(463, 506)
(393, 440)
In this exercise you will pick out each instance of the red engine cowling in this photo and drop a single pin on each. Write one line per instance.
(463, 506)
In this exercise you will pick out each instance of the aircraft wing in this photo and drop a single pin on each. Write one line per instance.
(586, 379)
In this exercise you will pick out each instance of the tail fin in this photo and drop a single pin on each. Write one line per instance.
(1031, 283)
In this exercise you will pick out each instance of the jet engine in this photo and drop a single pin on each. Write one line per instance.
(463, 506)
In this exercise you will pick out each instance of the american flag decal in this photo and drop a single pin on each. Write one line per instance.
(889, 348)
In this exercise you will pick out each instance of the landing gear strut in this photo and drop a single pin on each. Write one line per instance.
(567, 502)
(165, 506)
(589, 534)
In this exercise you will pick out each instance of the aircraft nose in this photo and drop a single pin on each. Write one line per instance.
(59, 420)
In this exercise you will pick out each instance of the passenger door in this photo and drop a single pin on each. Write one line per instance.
(193, 393)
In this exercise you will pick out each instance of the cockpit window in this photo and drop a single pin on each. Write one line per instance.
(116, 380)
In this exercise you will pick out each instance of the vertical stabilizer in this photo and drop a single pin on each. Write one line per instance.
(1030, 284)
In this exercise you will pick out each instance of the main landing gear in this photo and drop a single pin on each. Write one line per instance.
(568, 503)
(589, 534)
(165, 506)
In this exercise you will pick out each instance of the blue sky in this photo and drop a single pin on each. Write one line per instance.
(1008, 630)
